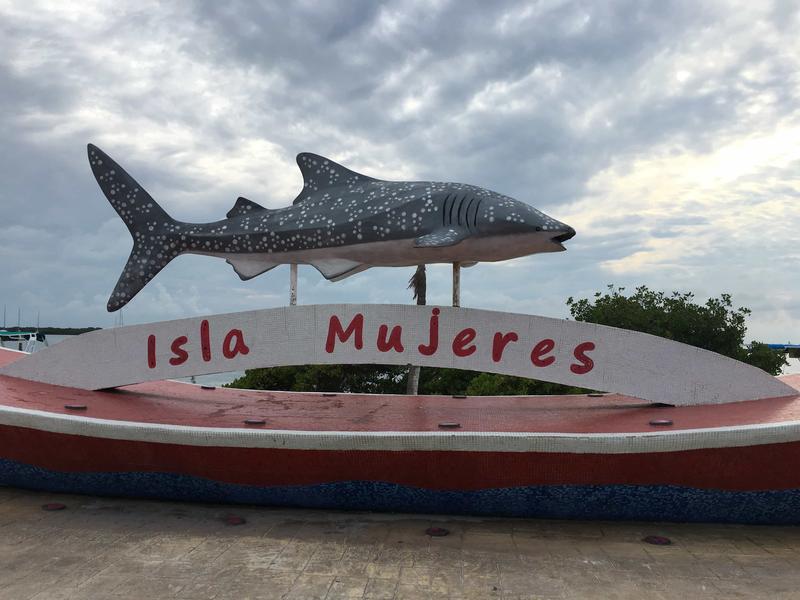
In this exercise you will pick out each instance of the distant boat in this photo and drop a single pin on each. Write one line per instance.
(21, 340)
(25, 341)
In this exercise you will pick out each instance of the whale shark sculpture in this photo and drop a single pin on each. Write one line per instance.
(341, 223)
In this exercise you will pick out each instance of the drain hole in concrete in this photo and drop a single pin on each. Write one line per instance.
(657, 540)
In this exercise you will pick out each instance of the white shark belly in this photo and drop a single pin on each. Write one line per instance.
(402, 253)
(474, 249)
(338, 262)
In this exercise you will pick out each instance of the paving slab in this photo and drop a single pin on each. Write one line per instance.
(116, 548)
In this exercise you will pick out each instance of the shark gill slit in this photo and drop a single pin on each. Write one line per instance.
(465, 206)
(452, 204)
(444, 209)
(466, 212)
(475, 216)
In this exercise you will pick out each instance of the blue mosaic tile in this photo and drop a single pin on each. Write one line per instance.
(606, 502)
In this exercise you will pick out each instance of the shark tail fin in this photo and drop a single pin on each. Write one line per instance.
(152, 229)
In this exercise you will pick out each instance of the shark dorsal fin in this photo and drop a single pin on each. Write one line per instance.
(320, 173)
(244, 206)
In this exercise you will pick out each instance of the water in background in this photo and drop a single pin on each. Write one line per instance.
(217, 379)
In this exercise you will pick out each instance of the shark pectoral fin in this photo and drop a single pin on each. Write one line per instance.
(446, 236)
(468, 264)
(243, 206)
(247, 267)
(336, 269)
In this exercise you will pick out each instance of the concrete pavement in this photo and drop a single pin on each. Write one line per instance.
(119, 548)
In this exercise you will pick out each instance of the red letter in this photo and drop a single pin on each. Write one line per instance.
(585, 363)
(205, 340)
(501, 340)
(151, 351)
(394, 341)
(239, 346)
(433, 328)
(461, 341)
(538, 357)
(177, 349)
(335, 330)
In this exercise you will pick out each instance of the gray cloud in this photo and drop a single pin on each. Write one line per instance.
(203, 102)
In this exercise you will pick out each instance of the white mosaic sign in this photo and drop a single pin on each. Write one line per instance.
(555, 350)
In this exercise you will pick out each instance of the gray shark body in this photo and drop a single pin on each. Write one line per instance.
(341, 223)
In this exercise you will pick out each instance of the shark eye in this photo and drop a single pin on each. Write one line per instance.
(538, 228)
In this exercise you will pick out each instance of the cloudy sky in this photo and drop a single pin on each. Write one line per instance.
(666, 133)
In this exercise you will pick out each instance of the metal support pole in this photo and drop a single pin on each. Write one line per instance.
(293, 285)
(456, 284)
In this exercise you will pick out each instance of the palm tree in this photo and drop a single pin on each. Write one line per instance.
(418, 284)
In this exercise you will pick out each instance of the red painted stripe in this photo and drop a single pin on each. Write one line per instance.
(765, 467)
(205, 340)
(180, 404)
(151, 351)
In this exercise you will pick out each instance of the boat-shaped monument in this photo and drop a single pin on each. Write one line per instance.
(678, 433)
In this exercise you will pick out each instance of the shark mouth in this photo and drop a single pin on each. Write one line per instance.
(568, 234)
